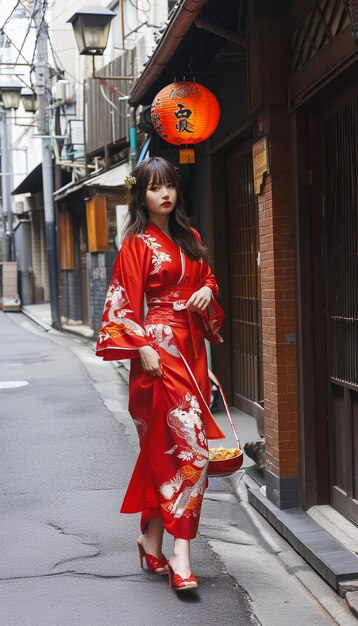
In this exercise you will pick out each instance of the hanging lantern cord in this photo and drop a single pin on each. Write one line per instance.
(190, 69)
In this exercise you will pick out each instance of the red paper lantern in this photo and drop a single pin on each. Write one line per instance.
(185, 113)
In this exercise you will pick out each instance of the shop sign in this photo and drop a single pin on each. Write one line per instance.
(260, 162)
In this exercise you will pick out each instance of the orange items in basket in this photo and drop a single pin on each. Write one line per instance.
(226, 464)
(224, 461)
(221, 454)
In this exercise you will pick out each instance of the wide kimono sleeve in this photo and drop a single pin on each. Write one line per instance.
(208, 279)
(212, 318)
(121, 331)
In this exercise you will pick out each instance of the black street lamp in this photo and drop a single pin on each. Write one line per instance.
(29, 100)
(91, 28)
(10, 91)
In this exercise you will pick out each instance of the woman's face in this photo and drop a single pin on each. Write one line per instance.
(160, 199)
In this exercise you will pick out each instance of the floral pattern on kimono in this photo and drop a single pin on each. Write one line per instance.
(171, 412)
(186, 422)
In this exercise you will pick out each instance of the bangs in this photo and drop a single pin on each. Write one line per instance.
(160, 173)
(155, 171)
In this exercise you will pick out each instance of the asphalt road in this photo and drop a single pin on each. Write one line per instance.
(67, 557)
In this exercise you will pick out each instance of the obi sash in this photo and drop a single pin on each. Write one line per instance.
(170, 305)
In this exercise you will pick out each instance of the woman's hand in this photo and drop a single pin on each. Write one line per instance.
(150, 360)
(199, 300)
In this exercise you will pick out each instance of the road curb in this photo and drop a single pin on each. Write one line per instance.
(296, 566)
(37, 320)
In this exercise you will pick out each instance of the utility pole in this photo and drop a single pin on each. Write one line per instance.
(43, 124)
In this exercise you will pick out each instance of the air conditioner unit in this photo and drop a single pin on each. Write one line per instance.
(63, 92)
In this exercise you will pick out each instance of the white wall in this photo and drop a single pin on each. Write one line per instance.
(66, 56)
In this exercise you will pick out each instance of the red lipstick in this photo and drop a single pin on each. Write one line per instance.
(166, 204)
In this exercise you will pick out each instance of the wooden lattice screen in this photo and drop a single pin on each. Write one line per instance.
(245, 286)
(340, 131)
(324, 21)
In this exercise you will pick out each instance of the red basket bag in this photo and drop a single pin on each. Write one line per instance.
(222, 466)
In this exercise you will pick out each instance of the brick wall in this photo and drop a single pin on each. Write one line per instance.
(268, 62)
(278, 297)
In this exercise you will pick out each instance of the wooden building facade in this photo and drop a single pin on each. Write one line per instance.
(87, 208)
(286, 257)
(324, 111)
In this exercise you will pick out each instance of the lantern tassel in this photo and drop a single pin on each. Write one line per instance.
(186, 155)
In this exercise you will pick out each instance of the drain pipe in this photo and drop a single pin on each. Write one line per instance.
(132, 137)
(171, 39)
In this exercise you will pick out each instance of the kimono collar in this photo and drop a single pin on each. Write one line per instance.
(153, 226)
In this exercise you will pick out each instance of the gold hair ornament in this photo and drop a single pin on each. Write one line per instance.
(129, 181)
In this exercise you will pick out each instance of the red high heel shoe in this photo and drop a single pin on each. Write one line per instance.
(155, 565)
(181, 584)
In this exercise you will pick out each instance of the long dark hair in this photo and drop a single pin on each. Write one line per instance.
(158, 171)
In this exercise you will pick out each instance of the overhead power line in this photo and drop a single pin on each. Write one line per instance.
(10, 15)
(139, 9)
(26, 35)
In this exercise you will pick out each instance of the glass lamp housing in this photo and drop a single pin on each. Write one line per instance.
(10, 98)
(91, 28)
(10, 91)
(29, 100)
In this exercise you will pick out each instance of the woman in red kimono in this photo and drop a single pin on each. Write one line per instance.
(163, 260)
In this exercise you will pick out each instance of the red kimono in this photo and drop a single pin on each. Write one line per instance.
(171, 412)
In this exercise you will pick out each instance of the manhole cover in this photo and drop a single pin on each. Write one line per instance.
(12, 384)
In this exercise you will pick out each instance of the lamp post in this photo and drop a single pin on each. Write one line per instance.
(10, 90)
(91, 29)
(91, 26)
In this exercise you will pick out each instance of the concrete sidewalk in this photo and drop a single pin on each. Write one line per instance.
(222, 491)
(41, 315)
